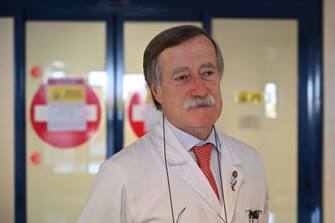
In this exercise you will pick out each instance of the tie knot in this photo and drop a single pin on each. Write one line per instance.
(203, 154)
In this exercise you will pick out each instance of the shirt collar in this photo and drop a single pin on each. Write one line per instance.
(187, 140)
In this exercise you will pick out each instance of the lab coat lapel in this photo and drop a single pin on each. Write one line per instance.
(230, 162)
(181, 164)
(191, 174)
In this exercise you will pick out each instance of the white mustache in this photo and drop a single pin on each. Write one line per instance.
(198, 101)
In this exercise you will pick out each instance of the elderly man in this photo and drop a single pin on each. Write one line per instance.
(183, 170)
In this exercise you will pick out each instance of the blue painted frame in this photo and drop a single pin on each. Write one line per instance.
(20, 124)
(309, 84)
(310, 110)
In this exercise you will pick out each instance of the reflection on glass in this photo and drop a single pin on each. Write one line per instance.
(57, 74)
(272, 218)
(63, 168)
(132, 83)
(59, 64)
(97, 149)
(270, 100)
(93, 167)
(97, 79)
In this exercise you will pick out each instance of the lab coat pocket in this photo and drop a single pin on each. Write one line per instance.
(256, 217)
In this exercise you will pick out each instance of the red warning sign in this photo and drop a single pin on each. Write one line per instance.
(142, 114)
(134, 111)
(65, 113)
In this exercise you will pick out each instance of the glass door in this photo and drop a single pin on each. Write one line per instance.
(139, 112)
(66, 89)
(259, 90)
(66, 94)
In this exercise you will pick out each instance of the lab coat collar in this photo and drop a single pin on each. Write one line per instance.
(181, 164)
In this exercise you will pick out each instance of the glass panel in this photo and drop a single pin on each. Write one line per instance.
(140, 114)
(7, 120)
(260, 100)
(328, 122)
(66, 131)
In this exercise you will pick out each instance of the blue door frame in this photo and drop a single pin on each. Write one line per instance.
(310, 98)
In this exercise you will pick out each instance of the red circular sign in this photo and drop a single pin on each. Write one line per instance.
(65, 139)
(137, 125)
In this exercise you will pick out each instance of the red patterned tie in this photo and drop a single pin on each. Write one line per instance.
(203, 155)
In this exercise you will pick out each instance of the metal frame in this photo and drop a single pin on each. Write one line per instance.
(310, 84)
(20, 123)
(310, 110)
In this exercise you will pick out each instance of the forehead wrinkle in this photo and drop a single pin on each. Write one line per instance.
(208, 65)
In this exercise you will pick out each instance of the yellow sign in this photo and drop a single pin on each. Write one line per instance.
(256, 97)
(243, 97)
(66, 93)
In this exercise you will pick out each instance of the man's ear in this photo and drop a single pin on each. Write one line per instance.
(157, 92)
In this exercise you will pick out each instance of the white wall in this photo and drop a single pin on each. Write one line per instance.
(6, 121)
(329, 112)
(58, 186)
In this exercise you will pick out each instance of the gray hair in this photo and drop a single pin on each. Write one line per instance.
(170, 38)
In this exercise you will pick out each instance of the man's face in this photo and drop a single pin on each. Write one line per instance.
(189, 70)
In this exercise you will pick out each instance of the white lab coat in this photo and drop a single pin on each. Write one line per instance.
(131, 187)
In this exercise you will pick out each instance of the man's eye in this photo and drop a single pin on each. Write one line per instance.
(208, 75)
(182, 78)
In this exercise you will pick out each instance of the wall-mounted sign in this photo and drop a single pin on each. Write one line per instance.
(243, 97)
(65, 112)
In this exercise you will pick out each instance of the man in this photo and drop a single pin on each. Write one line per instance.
(183, 170)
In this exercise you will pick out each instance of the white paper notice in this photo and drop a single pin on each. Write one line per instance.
(66, 117)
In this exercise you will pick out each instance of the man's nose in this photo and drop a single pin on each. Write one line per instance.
(199, 87)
